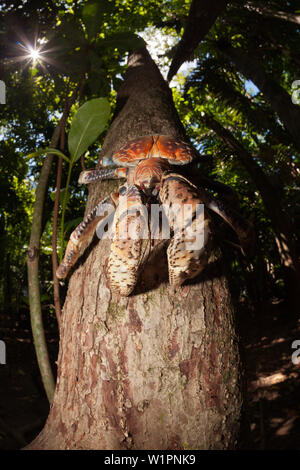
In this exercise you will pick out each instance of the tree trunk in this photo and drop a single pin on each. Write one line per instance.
(158, 369)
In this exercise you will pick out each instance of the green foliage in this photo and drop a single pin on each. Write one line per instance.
(46, 151)
(89, 121)
(61, 196)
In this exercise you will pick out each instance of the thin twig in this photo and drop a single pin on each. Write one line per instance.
(56, 293)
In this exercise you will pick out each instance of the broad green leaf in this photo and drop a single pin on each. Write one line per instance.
(46, 151)
(89, 121)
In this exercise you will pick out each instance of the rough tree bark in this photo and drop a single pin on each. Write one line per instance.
(157, 370)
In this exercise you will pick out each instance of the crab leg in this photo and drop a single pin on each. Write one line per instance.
(242, 227)
(190, 247)
(89, 176)
(239, 224)
(126, 247)
(83, 231)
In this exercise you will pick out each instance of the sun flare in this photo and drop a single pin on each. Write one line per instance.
(31, 54)
(34, 54)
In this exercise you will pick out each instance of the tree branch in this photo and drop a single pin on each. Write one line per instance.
(202, 16)
(281, 15)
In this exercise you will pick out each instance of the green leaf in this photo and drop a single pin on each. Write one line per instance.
(71, 29)
(99, 83)
(72, 223)
(25, 300)
(92, 15)
(45, 298)
(33, 71)
(61, 196)
(121, 41)
(95, 61)
(46, 151)
(89, 121)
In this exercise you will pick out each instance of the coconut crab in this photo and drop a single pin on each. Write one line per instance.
(147, 163)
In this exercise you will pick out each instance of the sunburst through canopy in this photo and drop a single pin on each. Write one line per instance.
(32, 53)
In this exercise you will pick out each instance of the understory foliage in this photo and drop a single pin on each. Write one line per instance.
(85, 44)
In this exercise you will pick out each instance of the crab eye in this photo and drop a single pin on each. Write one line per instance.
(122, 190)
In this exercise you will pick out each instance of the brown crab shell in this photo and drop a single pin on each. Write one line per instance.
(166, 147)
